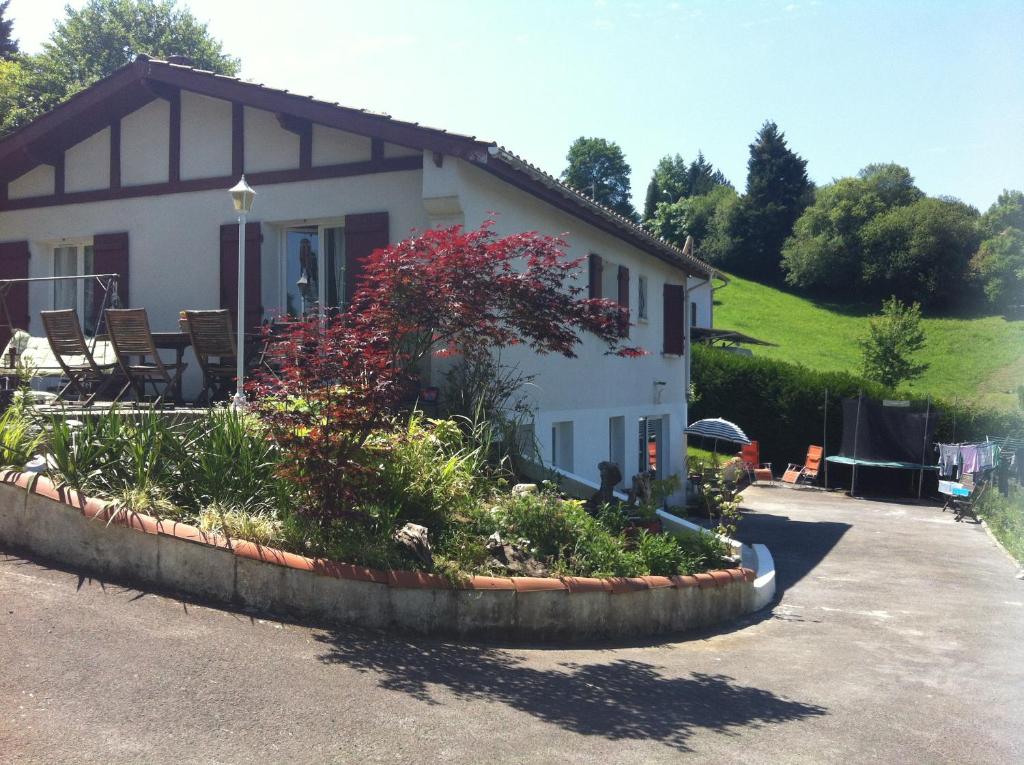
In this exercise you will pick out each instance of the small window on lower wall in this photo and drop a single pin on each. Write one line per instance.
(561, 446)
(526, 441)
(652, 448)
(617, 445)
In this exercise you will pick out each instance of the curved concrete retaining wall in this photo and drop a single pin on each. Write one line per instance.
(61, 525)
(756, 558)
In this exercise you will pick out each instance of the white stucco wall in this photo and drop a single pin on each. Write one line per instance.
(590, 389)
(701, 294)
(87, 164)
(332, 147)
(145, 136)
(268, 146)
(37, 182)
(205, 136)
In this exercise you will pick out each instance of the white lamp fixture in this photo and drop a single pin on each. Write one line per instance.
(242, 197)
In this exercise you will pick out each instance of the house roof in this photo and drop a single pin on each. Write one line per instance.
(131, 87)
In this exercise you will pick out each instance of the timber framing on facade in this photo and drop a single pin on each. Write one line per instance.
(103, 105)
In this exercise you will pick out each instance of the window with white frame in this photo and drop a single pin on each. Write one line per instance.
(561, 446)
(641, 298)
(75, 259)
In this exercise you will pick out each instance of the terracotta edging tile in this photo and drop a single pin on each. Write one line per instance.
(721, 578)
(487, 583)
(749, 574)
(13, 478)
(538, 584)
(417, 580)
(657, 582)
(623, 584)
(184, 531)
(586, 584)
(705, 580)
(684, 580)
(338, 570)
(253, 551)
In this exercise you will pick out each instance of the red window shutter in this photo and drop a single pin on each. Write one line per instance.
(253, 273)
(14, 265)
(624, 300)
(110, 256)
(363, 234)
(674, 313)
(596, 273)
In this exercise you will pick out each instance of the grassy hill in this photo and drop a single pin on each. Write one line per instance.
(976, 359)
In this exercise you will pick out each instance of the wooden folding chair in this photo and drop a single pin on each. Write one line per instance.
(808, 472)
(85, 375)
(213, 341)
(130, 336)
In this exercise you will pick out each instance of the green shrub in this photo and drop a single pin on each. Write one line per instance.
(781, 405)
(1005, 516)
(426, 470)
(19, 437)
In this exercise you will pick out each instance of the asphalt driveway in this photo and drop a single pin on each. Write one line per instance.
(898, 636)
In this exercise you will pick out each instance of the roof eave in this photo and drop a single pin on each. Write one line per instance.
(520, 173)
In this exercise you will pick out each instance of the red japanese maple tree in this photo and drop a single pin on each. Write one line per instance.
(440, 291)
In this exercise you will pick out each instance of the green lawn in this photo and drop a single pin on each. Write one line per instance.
(978, 359)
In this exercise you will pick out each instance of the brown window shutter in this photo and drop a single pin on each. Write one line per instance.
(253, 273)
(14, 265)
(363, 234)
(110, 256)
(624, 300)
(674, 312)
(596, 272)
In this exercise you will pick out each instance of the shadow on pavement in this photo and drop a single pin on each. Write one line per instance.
(796, 546)
(618, 700)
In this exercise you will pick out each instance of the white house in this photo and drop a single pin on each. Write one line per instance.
(131, 175)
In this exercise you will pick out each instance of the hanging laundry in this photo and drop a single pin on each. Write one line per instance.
(949, 460)
(971, 459)
(986, 456)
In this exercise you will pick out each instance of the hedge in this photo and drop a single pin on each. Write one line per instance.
(781, 405)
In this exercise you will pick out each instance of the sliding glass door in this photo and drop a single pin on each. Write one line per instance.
(314, 269)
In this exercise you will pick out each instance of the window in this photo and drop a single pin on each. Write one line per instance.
(75, 260)
(314, 269)
(526, 441)
(561, 446)
(641, 298)
(693, 314)
(652, 451)
(617, 444)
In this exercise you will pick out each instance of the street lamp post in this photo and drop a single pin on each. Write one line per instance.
(242, 197)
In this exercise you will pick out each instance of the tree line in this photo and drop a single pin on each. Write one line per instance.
(865, 237)
(92, 42)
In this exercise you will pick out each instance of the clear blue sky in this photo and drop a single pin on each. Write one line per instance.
(937, 86)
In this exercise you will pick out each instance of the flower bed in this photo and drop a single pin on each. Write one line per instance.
(101, 538)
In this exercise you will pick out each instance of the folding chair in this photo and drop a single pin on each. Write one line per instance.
(756, 470)
(808, 472)
(213, 341)
(130, 336)
(85, 375)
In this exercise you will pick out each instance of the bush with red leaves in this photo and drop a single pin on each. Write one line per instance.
(441, 291)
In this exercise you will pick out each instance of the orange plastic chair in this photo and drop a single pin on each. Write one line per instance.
(808, 472)
(750, 454)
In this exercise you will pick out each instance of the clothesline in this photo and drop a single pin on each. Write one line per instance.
(967, 458)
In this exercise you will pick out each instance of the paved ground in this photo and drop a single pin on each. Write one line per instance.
(898, 637)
